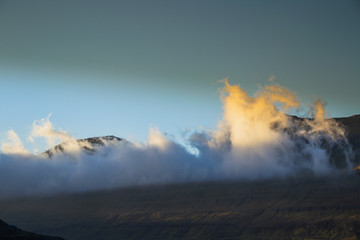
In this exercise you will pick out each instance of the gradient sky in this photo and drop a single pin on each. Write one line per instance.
(119, 67)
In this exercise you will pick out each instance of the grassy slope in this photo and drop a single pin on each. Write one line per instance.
(302, 208)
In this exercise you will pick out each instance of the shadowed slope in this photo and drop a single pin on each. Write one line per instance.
(8, 232)
(305, 207)
(352, 125)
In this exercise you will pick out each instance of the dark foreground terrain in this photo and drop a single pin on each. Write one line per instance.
(295, 208)
(8, 232)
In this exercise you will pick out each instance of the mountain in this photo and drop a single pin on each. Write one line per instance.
(352, 131)
(341, 151)
(352, 126)
(88, 145)
(8, 232)
(337, 150)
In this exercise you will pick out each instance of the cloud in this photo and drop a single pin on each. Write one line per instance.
(254, 139)
(13, 145)
(44, 129)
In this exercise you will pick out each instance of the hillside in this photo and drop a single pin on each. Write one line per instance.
(352, 125)
(298, 208)
(341, 150)
(8, 232)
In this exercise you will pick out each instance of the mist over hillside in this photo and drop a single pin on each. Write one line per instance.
(255, 139)
(180, 120)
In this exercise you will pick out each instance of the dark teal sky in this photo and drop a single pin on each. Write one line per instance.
(158, 62)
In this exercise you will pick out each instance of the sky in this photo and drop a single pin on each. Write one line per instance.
(120, 67)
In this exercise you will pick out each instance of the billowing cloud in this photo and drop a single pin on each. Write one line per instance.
(13, 145)
(254, 139)
(44, 128)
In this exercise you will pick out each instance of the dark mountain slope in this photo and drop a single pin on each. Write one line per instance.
(352, 125)
(343, 152)
(8, 232)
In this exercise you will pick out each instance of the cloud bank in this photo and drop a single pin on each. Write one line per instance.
(254, 139)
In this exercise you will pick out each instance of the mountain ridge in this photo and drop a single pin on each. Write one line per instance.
(88, 145)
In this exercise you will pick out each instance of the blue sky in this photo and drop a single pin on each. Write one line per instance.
(119, 67)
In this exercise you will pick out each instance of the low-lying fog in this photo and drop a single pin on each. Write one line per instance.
(255, 139)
